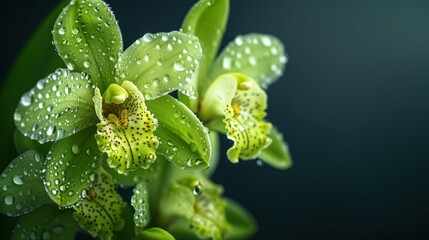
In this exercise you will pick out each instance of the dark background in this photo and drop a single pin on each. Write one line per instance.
(353, 104)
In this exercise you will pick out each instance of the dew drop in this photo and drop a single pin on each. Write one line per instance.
(70, 66)
(252, 61)
(54, 192)
(40, 85)
(259, 163)
(37, 158)
(52, 129)
(84, 193)
(283, 59)
(166, 78)
(239, 41)
(26, 100)
(178, 66)
(87, 64)
(226, 63)
(8, 200)
(62, 31)
(164, 37)
(17, 180)
(155, 82)
(17, 116)
(198, 189)
(75, 149)
(75, 31)
(266, 41)
(148, 37)
(169, 47)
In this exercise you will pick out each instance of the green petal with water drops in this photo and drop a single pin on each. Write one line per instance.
(155, 233)
(161, 63)
(140, 202)
(207, 20)
(72, 165)
(199, 201)
(58, 106)
(260, 56)
(22, 186)
(47, 222)
(126, 131)
(100, 213)
(277, 153)
(88, 39)
(241, 224)
(243, 103)
(184, 140)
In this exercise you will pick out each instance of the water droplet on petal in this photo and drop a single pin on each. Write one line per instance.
(70, 66)
(226, 63)
(8, 200)
(148, 37)
(62, 31)
(198, 189)
(87, 64)
(266, 41)
(26, 100)
(17, 180)
(178, 66)
(75, 149)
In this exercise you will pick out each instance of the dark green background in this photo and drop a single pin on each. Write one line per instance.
(353, 104)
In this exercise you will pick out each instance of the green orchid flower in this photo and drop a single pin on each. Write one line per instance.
(230, 87)
(107, 119)
(109, 101)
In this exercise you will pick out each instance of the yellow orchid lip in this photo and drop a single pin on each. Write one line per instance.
(126, 129)
(242, 103)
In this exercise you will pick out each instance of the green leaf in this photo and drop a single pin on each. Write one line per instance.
(23, 144)
(36, 60)
(241, 224)
(260, 56)
(184, 140)
(22, 187)
(140, 202)
(207, 20)
(71, 167)
(243, 104)
(125, 132)
(47, 222)
(100, 213)
(155, 233)
(277, 153)
(88, 39)
(198, 200)
(161, 63)
(58, 106)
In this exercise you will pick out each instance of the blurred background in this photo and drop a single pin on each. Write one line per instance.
(353, 105)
